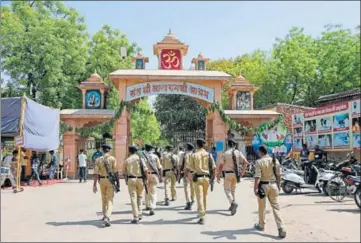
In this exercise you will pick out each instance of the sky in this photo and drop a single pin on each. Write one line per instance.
(217, 29)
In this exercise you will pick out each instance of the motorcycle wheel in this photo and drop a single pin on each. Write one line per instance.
(325, 189)
(337, 188)
(357, 197)
(288, 187)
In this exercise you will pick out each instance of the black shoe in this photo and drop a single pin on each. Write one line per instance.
(79, 181)
(230, 208)
(234, 208)
(281, 233)
(166, 203)
(140, 218)
(173, 199)
(134, 221)
(151, 212)
(201, 221)
(107, 222)
(188, 206)
(147, 208)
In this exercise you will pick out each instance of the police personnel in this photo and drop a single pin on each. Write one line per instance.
(154, 177)
(199, 163)
(188, 180)
(228, 170)
(106, 188)
(266, 185)
(132, 170)
(170, 164)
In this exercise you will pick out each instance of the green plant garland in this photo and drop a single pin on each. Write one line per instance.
(233, 125)
(271, 124)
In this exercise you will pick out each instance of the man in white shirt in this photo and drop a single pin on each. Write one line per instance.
(82, 166)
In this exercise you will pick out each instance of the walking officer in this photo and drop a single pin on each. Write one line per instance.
(228, 168)
(135, 172)
(105, 165)
(154, 177)
(188, 177)
(202, 163)
(266, 185)
(170, 169)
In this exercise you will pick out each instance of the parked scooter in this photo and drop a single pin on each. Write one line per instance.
(311, 178)
(357, 195)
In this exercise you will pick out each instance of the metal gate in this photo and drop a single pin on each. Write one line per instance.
(180, 138)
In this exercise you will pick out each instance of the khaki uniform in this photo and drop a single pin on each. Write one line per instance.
(199, 163)
(132, 170)
(264, 171)
(230, 179)
(169, 176)
(153, 180)
(188, 183)
(106, 188)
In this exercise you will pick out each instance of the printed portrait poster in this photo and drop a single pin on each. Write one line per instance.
(341, 122)
(341, 140)
(311, 141)
(324, 124)
(297, 120)
(298, 132)
(356, 122)
(325, 141)
(355, 108)
(310, 126)
(297, 143)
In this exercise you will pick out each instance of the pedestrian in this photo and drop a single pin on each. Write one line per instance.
(8, 169)
(266, 185)
(135, 170)
(82, 166)
(23, 163)
(304, 153)
(103, 167)
(170, 165)
(188, 183)
(231, 158)
(202, 163)
(154, 178)
(34, 168)
(53, 164)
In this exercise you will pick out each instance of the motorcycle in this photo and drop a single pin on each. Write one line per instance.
(311, 178)
(357, 195)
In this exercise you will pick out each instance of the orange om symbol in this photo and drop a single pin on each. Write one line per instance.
(170, 60)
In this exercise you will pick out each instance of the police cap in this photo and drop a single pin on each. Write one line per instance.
(231, 140)
(148, 147)
(190, 146)
(169, 147)
(107, 146)
(201, 141)
(132, 148)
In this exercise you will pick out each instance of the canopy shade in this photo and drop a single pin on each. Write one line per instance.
(40, 126)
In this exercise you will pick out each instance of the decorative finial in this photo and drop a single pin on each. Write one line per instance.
(170, 31)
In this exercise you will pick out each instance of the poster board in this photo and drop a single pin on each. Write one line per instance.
(334, 127)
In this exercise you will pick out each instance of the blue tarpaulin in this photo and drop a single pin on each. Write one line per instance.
(40, 126)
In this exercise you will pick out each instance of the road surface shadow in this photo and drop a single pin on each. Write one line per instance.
(170, 222)
(347, 210)
(220, 212)
(96, 223)
(300, 193)
(121, 221)
(231, 234)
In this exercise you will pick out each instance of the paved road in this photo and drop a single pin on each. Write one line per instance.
(67, 212)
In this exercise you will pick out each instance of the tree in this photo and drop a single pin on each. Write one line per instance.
(144, 127)
(179, 113)
(44, 50)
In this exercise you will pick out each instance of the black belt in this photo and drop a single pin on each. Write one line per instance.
(200, 176)
(191, 171)
(135, 177)
(153, 173)
(102, 177)
(266, 182)
(167, 170)
(228, 171)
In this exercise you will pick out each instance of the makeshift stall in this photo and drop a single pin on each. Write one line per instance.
(32, 125)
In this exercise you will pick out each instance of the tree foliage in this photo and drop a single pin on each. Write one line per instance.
(177, 113)
(144, 127)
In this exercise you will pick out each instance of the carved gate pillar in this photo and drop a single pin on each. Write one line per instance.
(69, 150)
